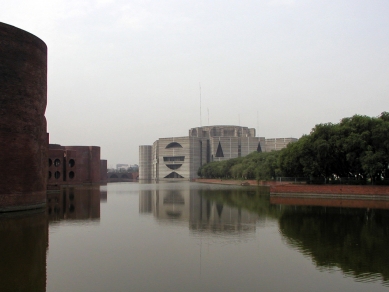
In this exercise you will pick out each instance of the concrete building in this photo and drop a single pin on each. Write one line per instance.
(145, 160)
(277, 143)
(179, 158)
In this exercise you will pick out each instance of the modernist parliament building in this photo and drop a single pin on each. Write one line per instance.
(179, 158)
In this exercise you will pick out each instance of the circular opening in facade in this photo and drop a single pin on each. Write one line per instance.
(49, 174)
(173, 145)
(72, 162)
(71, 174)
(57, 162)
(57, 174)
(50, 162)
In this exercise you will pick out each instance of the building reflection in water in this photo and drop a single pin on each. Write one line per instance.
(23, 246)
(202, 214)
(24, 236)
(103, 196)
(74, 203)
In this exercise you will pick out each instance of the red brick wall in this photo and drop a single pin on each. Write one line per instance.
(330, 189)
(103, 170)
(79, 164)
(329, 202)
(23, 131)
(94, 167)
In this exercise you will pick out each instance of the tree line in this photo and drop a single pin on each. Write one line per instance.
(356, 148)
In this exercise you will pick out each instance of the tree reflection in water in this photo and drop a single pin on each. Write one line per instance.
(356, 241)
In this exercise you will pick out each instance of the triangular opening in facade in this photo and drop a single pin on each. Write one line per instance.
(259, 149)
(219, 151)
(174, 175)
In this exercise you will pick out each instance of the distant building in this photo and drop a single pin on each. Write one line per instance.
(179, 158)
(277, 143)
(70, 165)
(121, 166)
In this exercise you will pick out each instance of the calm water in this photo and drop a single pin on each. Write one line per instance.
(191, 237)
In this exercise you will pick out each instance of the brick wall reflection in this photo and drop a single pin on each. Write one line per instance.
(23, 246)
(74, 203)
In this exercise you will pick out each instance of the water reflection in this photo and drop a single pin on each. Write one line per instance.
(191, 227)
(202, 209)
(24, 235)
(354, 240)
(23, 245)
(75, 203)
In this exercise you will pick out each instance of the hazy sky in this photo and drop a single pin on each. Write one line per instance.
(125, 73)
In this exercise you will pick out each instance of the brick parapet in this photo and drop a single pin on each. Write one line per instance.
(330, 189)
(340, 202)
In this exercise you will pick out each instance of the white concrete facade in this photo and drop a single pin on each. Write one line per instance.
(145, 162)
(179, 158)
(277, 143)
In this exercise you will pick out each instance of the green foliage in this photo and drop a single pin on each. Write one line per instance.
(260, 166)
(357, 147)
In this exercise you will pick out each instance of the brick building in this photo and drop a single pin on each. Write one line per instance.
(23, 131)
(72, 165)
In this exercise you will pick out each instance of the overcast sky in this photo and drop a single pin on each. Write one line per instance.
(125, 73)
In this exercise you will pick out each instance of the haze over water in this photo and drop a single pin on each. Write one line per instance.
(193, 237)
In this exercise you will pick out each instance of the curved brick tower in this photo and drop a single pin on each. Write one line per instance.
(23, 137)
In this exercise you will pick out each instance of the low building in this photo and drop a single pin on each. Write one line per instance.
(72, 165)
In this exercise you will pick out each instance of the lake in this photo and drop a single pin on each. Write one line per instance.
(191, 237)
